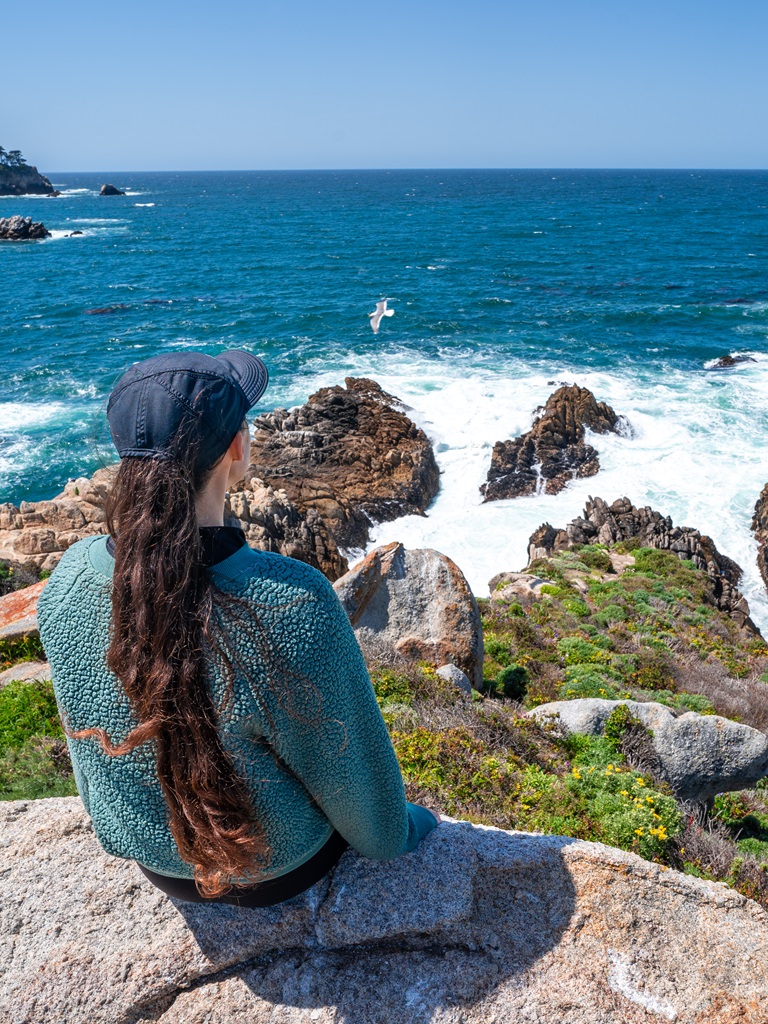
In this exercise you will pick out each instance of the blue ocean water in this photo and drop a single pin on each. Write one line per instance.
(502, 282)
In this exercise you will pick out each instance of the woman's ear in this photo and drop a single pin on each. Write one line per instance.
(236, 449)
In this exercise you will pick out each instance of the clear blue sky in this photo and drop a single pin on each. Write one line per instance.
(263, 84)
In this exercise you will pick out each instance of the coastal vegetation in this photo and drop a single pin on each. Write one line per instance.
(649, 632)
(12, 158)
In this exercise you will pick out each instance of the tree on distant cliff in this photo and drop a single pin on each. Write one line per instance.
(12, 158)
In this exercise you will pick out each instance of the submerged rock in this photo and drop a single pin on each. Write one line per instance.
(350, 453)
(22, 229)
(698, 755)
(608, 524)
(726, 362)
(476, 925)
(110, 190)
(554, 450)
(408, 606)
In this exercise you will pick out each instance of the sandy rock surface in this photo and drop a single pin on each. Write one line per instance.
(476, 926)
(413, 605)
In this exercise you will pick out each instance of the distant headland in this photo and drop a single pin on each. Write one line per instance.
(18, 178)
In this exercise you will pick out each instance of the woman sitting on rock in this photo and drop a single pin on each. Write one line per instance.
(222, 726)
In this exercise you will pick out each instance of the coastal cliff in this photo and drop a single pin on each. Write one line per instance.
(24, 181)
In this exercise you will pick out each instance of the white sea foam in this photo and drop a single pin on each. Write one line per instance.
(143, 204)
(698, 455)
(15, 416)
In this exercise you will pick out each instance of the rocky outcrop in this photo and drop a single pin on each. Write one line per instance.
(554, 450)
(24, 181)
(350, 453)
(607, 524)
(760, 528)
(39, 532)
(698, 755)
(477, 925)
(408, 606)
(22, 229)
(110, 190)
(273, 523)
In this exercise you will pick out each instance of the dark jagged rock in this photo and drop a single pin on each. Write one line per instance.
(22, 229)
(726, 362)
(352, 454)
(110, 190)
(608, 524)
(760, 527)
(553, 451)
(24, 181)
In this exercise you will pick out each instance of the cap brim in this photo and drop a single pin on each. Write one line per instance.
(249, 371)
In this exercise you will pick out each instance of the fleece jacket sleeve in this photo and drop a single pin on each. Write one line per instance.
(330, 732)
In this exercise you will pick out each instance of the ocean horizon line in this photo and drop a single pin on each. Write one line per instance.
(412, 170)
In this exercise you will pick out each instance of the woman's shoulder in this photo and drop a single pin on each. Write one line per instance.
(253, 571)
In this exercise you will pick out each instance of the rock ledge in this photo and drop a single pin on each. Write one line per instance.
(476, 926)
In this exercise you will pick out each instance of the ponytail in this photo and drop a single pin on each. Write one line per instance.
(160, 643)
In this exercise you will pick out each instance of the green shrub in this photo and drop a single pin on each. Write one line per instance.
(595, 557)
(619, 720)
(576, 651)
(631, 814)
(497, 650)
(586, 681)
(26, 648)
(695, 702)
(391, 687)
(575, 606)
(513, 681)
(28, 709)
(611, 613)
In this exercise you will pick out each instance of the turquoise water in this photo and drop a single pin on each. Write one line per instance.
(501, 281)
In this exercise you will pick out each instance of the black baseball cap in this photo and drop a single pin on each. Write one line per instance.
(168, 405)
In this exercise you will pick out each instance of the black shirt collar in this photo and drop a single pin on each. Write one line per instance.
(216, 543)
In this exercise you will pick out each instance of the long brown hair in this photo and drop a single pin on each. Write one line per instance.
(160, 644)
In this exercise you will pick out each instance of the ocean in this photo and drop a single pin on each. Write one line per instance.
(504, 284)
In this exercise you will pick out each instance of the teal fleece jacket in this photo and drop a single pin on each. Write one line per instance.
(305, 731)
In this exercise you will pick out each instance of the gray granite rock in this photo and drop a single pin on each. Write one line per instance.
(456, 676)
(413, 605)
(698, 755)
(27, 671)
(477, 926)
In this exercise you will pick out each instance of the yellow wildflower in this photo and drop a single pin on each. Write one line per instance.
(639, 782)
(625, 792)
(638, 831)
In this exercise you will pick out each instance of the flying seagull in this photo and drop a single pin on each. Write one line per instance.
(380, 311)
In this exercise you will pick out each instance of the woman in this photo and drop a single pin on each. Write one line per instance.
(222, 726)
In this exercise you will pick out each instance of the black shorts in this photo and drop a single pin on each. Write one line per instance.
(265, 894)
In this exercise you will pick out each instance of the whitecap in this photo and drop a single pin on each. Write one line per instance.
(143, 204)
(18, 415)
